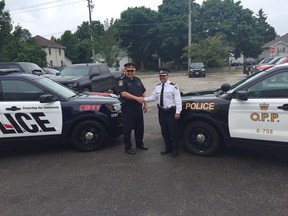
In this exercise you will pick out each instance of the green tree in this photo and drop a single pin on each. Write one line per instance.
(137, 34)
(211, 51)
(83, 35)
(263, 28)
(5, 29)
(107, 45)
(69, 40)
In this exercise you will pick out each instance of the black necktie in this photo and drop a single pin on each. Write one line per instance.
(161, 96)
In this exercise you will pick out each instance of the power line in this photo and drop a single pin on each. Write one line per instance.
(46, 7)
(36, 5)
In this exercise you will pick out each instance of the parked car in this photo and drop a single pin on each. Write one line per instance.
(52, 71)
(234, 62)
(197, 69)
(35, 107)
(88, 77)
(270, 64)
(248, 65)
(253, 111)
(24, 67)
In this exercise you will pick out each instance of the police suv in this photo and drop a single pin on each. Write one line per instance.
(255, 110)
(32, 106)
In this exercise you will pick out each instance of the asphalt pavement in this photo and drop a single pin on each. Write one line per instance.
(54, 179)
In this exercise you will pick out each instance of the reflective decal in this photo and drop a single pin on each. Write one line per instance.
(89, 107)
(200, 106)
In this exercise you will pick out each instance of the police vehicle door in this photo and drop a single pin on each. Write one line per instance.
(264, 116)
(23, 115)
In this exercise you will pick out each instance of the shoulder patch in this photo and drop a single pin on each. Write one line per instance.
(120, 82)
(174, 85)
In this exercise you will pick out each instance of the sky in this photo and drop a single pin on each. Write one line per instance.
(52, 17)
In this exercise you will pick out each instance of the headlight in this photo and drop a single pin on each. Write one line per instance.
(72, 85)
(202, 69)
(114, 107)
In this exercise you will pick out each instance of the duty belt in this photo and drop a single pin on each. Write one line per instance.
(169, 110)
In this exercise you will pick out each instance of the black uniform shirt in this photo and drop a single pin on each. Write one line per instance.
(133, 86)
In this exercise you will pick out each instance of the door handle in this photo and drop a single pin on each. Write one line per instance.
(13, 108)
(283, 107)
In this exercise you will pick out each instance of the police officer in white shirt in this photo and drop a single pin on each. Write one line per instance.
(169, 109)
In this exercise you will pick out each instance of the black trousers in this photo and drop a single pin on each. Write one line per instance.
(133, 119)
(169, 130)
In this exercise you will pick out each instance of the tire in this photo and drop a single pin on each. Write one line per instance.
(89, 136)
(201, 138)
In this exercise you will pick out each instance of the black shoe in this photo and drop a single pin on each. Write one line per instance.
(143, 147)
(174, 154)
(165, 152)
(130, 151)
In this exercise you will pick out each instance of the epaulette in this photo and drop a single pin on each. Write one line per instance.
(159, 84)
(174, 85)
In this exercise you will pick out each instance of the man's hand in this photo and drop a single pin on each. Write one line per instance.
(145, 107)
(140, 99)
(177, 116)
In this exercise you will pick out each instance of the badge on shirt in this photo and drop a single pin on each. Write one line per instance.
(121, 82)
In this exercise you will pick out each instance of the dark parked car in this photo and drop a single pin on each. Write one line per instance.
(51, 71)
(234, 62)
(87, 77)
(24, 67)
(197, 69)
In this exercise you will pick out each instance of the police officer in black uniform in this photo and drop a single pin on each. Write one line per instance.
(130, 88)
(169, 109)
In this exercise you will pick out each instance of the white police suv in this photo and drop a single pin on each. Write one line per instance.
(255, 110)
(33, 106)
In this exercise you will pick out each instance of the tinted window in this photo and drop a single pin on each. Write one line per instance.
(275, 86)
(18, 90)
(104, 69)
(76, 71)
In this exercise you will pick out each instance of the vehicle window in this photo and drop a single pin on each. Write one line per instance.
(30, 67)
(104, 69)
(60, 89)
(275, 86)
(95, 69)
(197, 65)
(75, 71)
(18, 90)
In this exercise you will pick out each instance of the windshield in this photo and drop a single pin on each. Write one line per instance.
(197, 65)
(75, 71)
(61, 90)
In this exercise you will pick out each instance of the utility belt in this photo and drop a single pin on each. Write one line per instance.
(170, 110)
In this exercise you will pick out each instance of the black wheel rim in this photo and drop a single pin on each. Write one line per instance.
(200, 139)
(90, 136)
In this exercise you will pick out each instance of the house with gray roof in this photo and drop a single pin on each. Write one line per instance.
(277, 47)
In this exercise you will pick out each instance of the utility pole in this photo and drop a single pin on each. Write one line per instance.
(189, 30)
(90, 7)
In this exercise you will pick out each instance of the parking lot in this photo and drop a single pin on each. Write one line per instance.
(53, 179)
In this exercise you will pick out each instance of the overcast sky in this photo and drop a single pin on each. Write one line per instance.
(52, 17)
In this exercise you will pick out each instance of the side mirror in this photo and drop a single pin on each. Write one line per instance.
(46, 98)
(225, 87)
(242, 95)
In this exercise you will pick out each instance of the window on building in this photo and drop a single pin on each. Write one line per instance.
(59, 52)
(49, 51)
(62, 63)
(51, 63)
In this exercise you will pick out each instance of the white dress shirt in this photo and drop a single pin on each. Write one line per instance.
(171, 96)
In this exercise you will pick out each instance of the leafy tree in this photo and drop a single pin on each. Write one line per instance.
(83, 35)
(210, 51)
(70, 41)
(263, 28)
(172, 29)
(5, 29)
(137, 34)
(107, 45)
